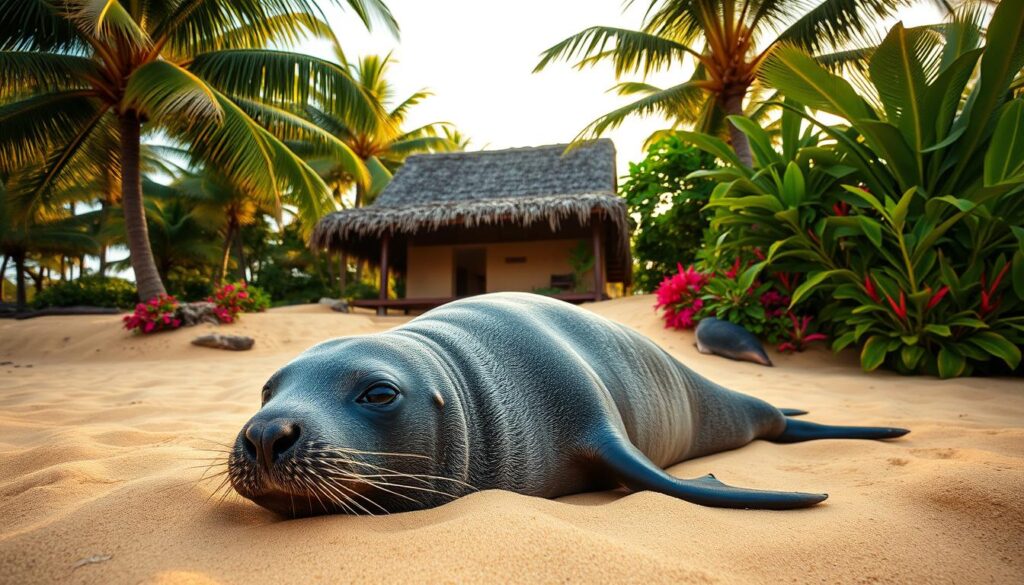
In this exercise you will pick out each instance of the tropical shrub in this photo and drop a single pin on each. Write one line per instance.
(157, 314)
(359, 290)
(666, 206)
(235, 298)
(92, 291)
(909, 224)
(743, 295)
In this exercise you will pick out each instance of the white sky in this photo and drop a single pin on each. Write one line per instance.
(477, 56)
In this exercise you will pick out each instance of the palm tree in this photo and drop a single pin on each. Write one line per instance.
(48, 231)
(381, 144)
(75, 73)
(226, 207)
(727, 40)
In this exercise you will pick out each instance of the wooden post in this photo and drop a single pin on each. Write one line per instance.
(596, 225)
(382, 310)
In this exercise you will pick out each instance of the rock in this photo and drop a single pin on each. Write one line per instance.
(218, 341)
(196, 313)
(339, 305)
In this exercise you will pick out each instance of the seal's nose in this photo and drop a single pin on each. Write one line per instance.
(268, 441)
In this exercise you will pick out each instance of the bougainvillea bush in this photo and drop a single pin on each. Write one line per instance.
(741, 294)
(235, 298)
(905, 227)
(159, 314)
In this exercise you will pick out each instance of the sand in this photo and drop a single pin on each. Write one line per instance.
(101, 431)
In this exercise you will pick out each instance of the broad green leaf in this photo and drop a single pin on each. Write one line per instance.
(746, 279)
(951, 364)
(797, 75)
(889, 143)
(998, 346)
(961, 204)
(873, 353)
(898, 75)
(1017, 273)
(843, 341)
(813, 280)
(1004, 160)
(868, 197)
(714, 146)
(760, 141)
(940, 330)
(872, 229)
(1002, 60)
(793, 189)
(899, 214)
(911, 355)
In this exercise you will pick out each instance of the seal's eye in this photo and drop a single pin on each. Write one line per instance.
(378, 395)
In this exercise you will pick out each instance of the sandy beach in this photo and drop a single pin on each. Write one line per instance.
(102, 434)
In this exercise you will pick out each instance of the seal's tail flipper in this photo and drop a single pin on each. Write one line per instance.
(801, 430)
(792, 411)
(637, 472)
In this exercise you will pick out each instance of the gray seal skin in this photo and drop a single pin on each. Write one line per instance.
(504, 391)
(715, 336)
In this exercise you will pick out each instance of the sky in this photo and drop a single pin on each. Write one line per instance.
(477, 57)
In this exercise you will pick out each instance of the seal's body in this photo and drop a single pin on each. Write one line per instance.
(715, 336)
(502, 391)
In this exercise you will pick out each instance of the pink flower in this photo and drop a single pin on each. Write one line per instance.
(677, 296)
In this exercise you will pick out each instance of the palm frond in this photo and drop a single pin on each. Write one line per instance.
(107, 21)
(677, 102)
(399, 113)
(22, 72)
(35, 25)
(833, 23)
(31, 128)
(287, 126)
(168, 94)
(285, 79)
(629, 50)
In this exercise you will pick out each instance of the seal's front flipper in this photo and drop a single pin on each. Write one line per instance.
(801, 430)
(792, 411)
(637, 473)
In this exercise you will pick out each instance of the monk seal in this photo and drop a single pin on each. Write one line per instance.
(729, 340)
(507, 391)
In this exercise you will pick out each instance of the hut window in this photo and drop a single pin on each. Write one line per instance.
(515, 259)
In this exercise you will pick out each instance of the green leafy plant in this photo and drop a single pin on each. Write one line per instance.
(92, 291)
(665, 206)
(581, 260)
(907, 226)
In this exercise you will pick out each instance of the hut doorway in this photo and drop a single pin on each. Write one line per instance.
(470, 270)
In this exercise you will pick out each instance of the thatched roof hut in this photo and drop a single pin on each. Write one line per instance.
(465, 199)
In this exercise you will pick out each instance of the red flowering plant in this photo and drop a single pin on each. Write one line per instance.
(158, 314)
(679, 297)
(234, 298)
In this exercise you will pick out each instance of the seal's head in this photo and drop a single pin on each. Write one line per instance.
(350, 426)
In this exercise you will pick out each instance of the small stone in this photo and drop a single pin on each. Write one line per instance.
(231, 342)
(339, 305)
(196, 313)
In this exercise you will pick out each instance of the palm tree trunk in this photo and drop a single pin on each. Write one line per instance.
(19, 279)
(147, 277)
(225, 252)
(343, 276)
(240, 257)
(732, 105)
(3, 276)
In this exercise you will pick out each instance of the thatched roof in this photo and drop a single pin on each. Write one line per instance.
(521, 186)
